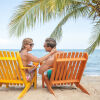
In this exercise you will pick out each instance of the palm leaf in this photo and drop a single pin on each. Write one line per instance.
(74, 13)
(95, 38)
(30, 12)
(27, 14)
(41, 11)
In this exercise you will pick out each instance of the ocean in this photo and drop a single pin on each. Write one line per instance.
(92, 66)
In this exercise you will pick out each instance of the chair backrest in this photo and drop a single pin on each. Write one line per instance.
(68, 66)
(9, 67)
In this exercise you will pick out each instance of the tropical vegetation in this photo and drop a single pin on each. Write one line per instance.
(32, 11)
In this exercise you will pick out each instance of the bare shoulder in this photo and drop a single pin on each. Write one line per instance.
(29, 54)
(58, 52)
(23, 54)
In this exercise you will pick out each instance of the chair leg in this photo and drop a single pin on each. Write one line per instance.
(82, 88)
(7, 85)
(48, 85)
(25, 90)
(35, 83)
(0, 84)
(43, 81)
(29, 84)
(35, 80)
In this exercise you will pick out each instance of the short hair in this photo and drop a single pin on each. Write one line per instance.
(50, 42)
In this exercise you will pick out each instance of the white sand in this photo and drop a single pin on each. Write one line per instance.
(91, 83)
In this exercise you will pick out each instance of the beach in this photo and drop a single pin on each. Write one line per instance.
(26, 25)
(91, 83)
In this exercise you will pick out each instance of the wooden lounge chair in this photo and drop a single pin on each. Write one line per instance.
(12, 71)
(68, 69)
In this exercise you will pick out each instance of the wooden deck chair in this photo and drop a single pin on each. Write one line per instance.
(68, 69)
(12, 71)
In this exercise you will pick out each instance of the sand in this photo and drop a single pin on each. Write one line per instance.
(91, 83)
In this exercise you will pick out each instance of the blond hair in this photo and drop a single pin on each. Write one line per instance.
(25, 42)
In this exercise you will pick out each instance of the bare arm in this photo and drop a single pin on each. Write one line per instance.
(35, 59)
(46, 65)
(49, 61)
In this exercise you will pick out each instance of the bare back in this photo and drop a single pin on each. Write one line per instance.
(23, 55)
(48, 63)
(50, 60)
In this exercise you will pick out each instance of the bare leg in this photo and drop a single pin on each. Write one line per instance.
(47, 64)
(43, 68)
(28, 77)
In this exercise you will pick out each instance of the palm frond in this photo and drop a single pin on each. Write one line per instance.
(32, 11)
(95, 38)
(74, 13)
(41, 11)
(27, 14)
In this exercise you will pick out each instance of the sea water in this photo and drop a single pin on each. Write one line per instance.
(92, 66)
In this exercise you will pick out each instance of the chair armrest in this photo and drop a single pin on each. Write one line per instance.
(29, 67)
(34, 63)
(51, 68)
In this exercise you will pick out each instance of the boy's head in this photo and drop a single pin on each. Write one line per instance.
(49, 44)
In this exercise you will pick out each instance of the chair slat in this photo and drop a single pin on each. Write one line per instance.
(11, 81)
(64, 81)
(2, 70)
(16, 67)
(58, 67)
(76, 68)
(62, 67)
(82, 67)
(14, 76)
(8, 65)
(69, 68)
(71, 59)
(80, 64)
(1, 76)
(73, 66)
(8, 58)
(66, 66)
(4, 66)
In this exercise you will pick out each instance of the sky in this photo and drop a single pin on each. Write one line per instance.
(76, 34)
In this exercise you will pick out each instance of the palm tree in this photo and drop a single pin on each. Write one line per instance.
(30, 12)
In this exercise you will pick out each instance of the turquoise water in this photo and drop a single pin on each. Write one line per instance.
(93, 63)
